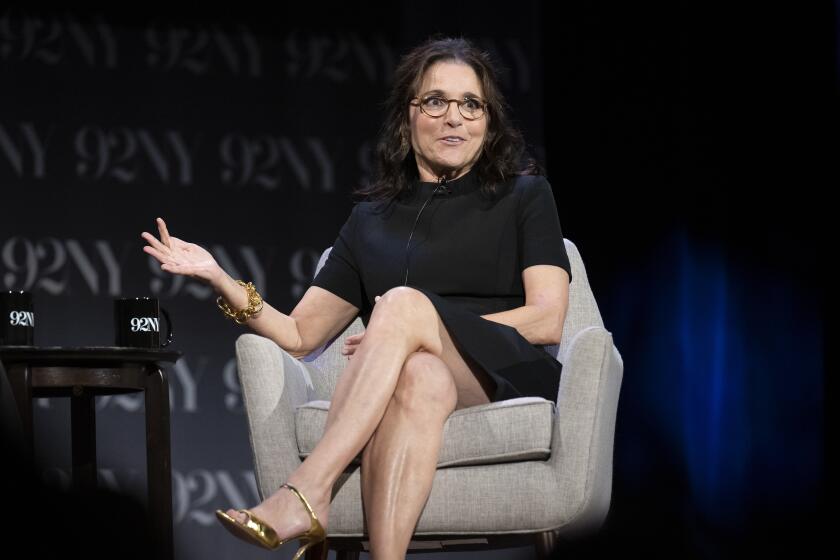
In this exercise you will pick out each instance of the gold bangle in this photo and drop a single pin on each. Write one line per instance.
(255, 304)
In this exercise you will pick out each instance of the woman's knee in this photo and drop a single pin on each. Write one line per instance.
(408, 310)
(425, 384)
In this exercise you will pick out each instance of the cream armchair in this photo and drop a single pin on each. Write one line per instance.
(518, 472)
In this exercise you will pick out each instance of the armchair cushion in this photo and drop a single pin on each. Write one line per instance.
(500, 432)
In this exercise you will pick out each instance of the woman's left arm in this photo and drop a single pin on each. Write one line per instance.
(540, 320)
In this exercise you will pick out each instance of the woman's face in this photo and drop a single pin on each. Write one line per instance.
(450, 144)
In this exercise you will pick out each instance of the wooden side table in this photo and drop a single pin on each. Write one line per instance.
(82, 373)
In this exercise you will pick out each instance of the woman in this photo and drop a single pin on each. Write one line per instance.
(469, 258)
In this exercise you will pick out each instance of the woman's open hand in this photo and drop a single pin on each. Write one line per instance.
(352, 341)
(180, 257)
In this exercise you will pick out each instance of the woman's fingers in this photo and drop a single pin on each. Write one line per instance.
(153, 241)
(350, 344)
(153, 252)
(164, 233)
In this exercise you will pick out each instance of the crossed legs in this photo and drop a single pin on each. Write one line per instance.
(403, 381)
(400, 460)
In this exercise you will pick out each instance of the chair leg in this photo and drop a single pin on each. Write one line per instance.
(545, 544)
(318, 551)
(346, 555)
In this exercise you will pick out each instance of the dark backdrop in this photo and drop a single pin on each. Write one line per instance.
(685, 147)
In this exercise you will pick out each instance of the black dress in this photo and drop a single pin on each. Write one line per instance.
(466, 253)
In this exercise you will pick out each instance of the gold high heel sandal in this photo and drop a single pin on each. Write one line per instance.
(258, 532)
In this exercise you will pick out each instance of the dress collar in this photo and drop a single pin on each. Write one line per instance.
(466, 183)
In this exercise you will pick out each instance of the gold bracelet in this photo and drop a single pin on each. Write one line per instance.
(255, 304)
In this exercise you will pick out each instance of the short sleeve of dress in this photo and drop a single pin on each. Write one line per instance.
(540, 237)
(340, 273)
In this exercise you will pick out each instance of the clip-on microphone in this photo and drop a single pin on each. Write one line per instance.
(442, 187)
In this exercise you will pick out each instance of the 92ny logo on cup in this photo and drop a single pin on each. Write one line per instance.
(145, 324)
(22, 318)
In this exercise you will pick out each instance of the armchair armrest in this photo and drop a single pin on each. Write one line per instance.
(582, 442)
(273, 384)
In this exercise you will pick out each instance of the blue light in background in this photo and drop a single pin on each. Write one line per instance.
(721, 410)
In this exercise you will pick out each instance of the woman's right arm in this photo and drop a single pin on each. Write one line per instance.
(317, 317)
(269, 322)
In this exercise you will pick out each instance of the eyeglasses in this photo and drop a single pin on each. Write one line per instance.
(436, 106)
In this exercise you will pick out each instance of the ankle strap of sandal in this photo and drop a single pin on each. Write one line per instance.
(302, 499)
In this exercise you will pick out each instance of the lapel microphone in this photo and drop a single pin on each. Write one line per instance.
(442, 187)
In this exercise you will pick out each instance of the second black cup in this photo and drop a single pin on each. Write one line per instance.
(17, 318)
(137, 323)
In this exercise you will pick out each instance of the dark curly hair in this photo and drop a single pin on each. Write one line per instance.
(503, 148)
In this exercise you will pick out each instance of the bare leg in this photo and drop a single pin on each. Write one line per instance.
(403, 322)
(399, 463)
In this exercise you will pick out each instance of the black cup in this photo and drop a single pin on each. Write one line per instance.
(18, 319)
(137, 323)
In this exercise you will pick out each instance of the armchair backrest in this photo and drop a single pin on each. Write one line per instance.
(583, 309)
(582, 313)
